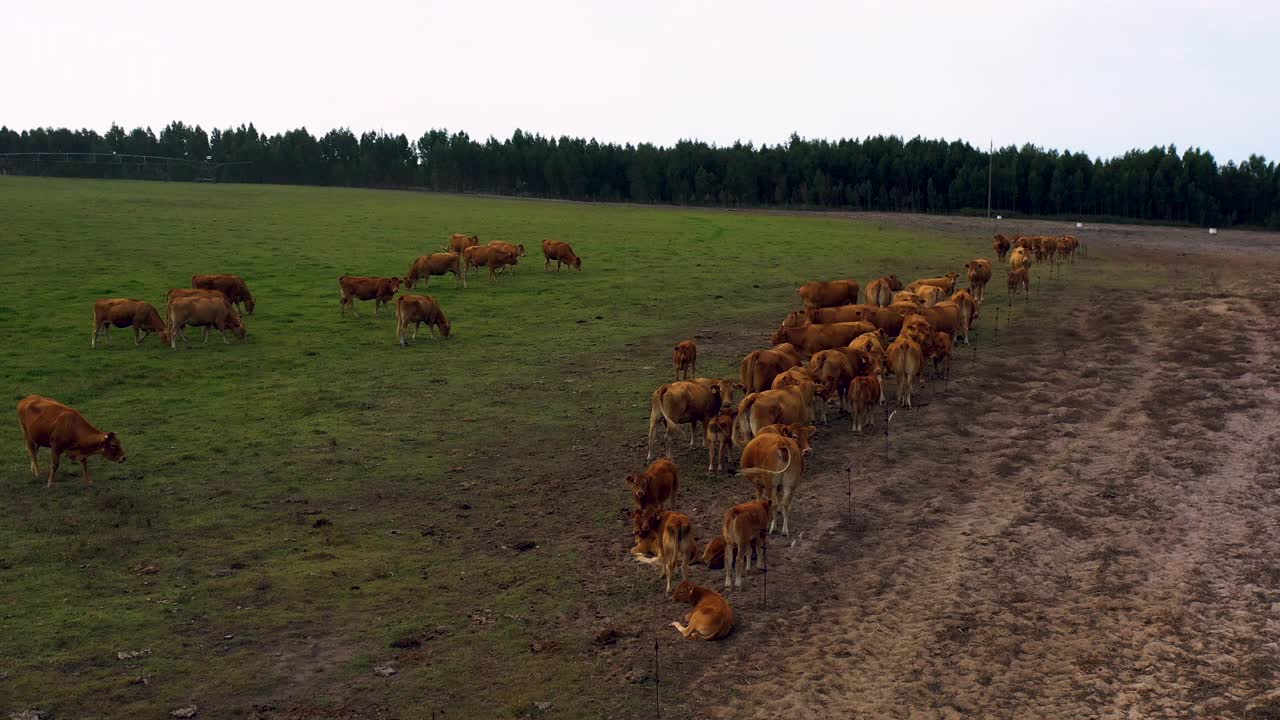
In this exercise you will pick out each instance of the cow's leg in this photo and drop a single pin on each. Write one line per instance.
(53, 464)
(34, 450)
(711, 458)
(223, 335)
(93, 336)
(84, 464)
(786, 510)
(204, 333)
(728, 565)
(137, 336)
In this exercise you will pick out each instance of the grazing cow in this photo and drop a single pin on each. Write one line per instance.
(812, 338)
(864, 394)
(232, 286)
(760, 367)
(435, 264)
(459, 242)
(979, 272)
(828, 294)
(562, 253)
(906, 359)
(356, 287)
(505, 250)
(686, 401)
(62, 429)
(711, 617)
(838, 314)
(946, 282)
(657, 484)
(744, 536)
(684, 359)
(1019, 258)
(1001, 246)
(124, 312)
(940, 349)
(419, 310)
(503, 245)
(488, 256)
(880, 291)
(720, 438)
(930, 295)
(203, 312)
(787, 405)
(669, 536)
(1019, 279)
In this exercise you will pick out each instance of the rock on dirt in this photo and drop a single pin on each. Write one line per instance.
(611, 635)
(131, 654)
(185, 712)
(28, 715)
(384, 670)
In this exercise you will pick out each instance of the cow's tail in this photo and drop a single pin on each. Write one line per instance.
(655, 412)
(746, 370)
(741, 434)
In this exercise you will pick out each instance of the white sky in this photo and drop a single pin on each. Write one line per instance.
(1103, 77)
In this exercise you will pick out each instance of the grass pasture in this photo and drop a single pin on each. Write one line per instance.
(296, 505)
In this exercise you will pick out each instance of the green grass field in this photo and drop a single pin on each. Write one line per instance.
(295, 504)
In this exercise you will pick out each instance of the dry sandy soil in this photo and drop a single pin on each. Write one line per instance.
(1081, 523)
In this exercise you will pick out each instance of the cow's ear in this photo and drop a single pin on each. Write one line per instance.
(110, 437)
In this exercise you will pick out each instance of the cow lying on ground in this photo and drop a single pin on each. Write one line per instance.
(828, 294)
(125, 312)
(711, 617)
(435, 264)
(657, 484)
(686, 401)
(459, 242)
(880, 291)
(233, 286)
(979, 272)
(62, 429)
(419, 310)
(760, 367)
(356, 287)
(684, 359)
(744, 534)
(562, 253)
(203, 312)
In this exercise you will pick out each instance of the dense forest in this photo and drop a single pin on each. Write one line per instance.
(875, 173)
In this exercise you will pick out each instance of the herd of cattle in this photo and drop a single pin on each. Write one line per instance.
(218, 301)
(834, 352)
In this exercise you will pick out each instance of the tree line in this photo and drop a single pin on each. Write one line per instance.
(875, 173)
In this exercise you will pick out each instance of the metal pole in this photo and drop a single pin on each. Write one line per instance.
(657, 680)
(997, 332)
(849, 470)
(991, 163)
(764, 555)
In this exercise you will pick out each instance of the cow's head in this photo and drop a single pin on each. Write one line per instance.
(444, 326)
(894, 283)
(393, 284)
(577, 263)
(798, 318)
(801, 433)
(237, 327)
(249, 304)
(520, 249)
(780, 336)
(683, 592)
(111, 448)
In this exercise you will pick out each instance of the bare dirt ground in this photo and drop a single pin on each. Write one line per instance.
(1081, 523)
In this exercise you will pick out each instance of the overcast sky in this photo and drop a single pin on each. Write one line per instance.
(1102, 77)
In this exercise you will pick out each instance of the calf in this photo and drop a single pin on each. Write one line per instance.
(906, 359)
(233, 286)
(880, 291)
(435, 264)
(828, 294)
(684, 359)
(864, 394)
(743, 531)
(488, 256)
(203, 312)
(419, 310)
(653, 487)
(459, 242)
(62, 429)
(720, 438)
(562, 253)
(669, 535)
(940, 350)
(124, 312)
(979, 272)
(510, 255)
(833, 369)
(1019, 279)
(356, 287)
(711, 617)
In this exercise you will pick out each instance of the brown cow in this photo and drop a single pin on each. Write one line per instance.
(459, 242)
(828, 294)
(419, 310)
(940, 350)
(562, 253)
(838, 314)
(832, 370)
(671, 539)
(812, 338)
(684, 359)
(205, 313)
(657, 484)
(930, 295)
(711, 617)
(979, 272)
(889, 319)
(907, 360)
(712, 554)
(720, 437)
(880, 291)
(488, 256)
(356, 287)
(1001, 246)
(864, 393)
(687, 401)
(744, 536)
(233, 286)
(906, 297)
(1019, 258)
(506, 250)
(1019, 279)
(760, 367)
(124, 312)
(946, 282)
(435, 264)
(787, 405)
(62, 429)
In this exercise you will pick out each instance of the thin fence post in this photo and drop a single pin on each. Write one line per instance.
(849, 470)
(887, 415)
(657, 681)
(996, 337)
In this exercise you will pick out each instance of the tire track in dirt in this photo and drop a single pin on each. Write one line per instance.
(1079, 526)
